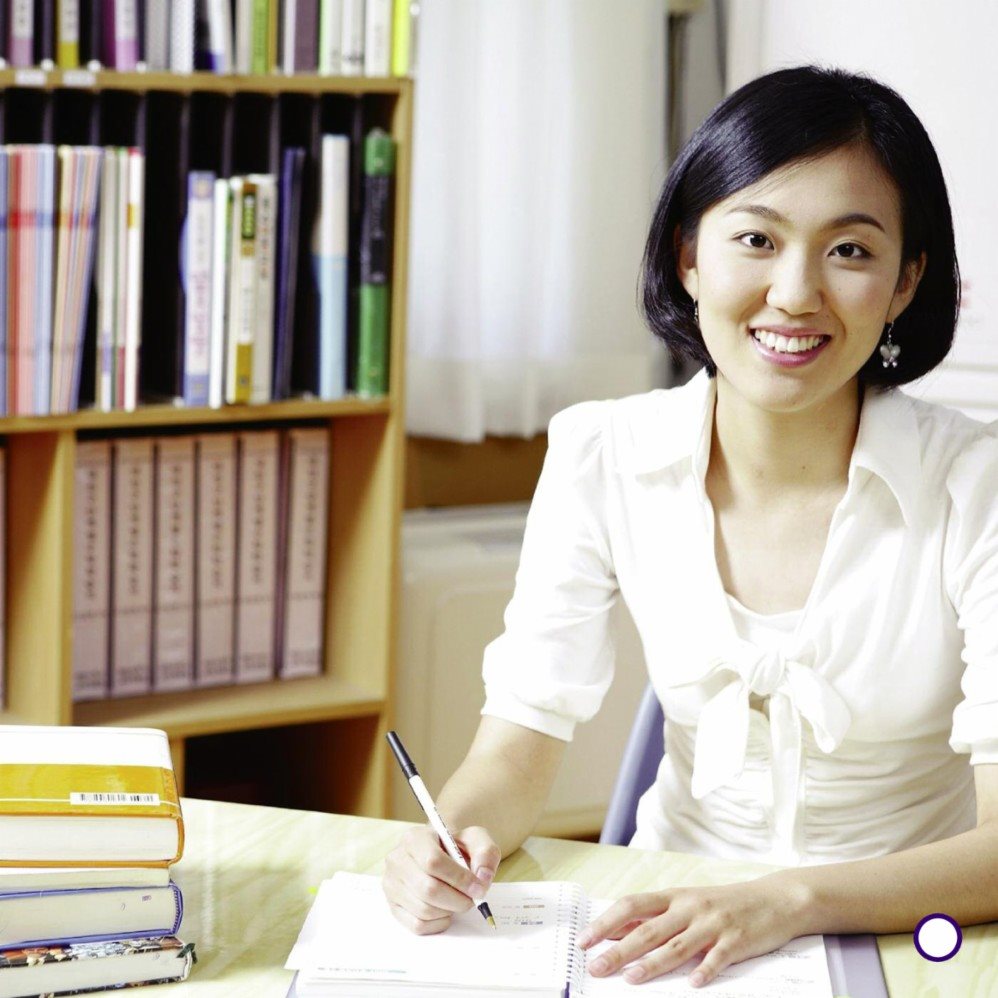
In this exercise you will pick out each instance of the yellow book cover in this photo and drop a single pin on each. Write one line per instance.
(73, 796)
(401, 37)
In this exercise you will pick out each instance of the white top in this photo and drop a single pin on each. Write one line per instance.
(887, 680)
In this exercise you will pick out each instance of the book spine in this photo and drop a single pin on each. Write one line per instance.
(133, 275)
(260, 63)
(19, 355)
(198, 247)
(157, 35)
(64, 224)
(256, 556)
(44, 234)
(352, 52)
(132, 523)
(125, 50)
(306, 42)
(263, 308)
(377, 37)
(67, 50)
(330, 242)
(3, 577)
(401, 21)
(289, 34)
(4, 285)
(121, 275)
(244, 35)
(182, 36)
(242, 297)
(289, 212)
(219, 293)
(22, 32)
(173, 597)
(375, 265)
(330, 37)
(219, 15)
(91, 569)
(106, 282)
(305, 575)
(216, 559)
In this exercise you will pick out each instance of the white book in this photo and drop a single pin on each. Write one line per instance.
(198, 258)
(28, 879)
(241, 332)
(107, 271)
(352, 51)
(219, 18)
(173, 596)
(135, 161)
(91, 569)
(330, 37)
(289, 17)
(157, 32)
(131, 600)
(182, 36)
(256, 558)
(305, 576)
(216, 560)
(244, 35)
(378, 38)
(266, 257)
(219, 294)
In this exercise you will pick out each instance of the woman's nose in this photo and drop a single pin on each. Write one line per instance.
(795, 285)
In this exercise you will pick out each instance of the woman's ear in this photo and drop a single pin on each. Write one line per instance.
(911, 275)
(685, 251)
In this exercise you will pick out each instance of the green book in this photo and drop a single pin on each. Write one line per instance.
(374, 306)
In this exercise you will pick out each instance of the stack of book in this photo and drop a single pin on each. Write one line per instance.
(90, 823)
(334, 37)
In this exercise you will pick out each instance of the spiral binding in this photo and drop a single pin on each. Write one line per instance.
(575, 916)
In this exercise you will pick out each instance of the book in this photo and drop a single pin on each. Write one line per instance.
(198, 245)
(219, 293)
(134, 164)
(352, 42)
(330, 37)
(45, 34)
(107, 280)
(218, 15)
(241, 332)
(91, 569)
(5, 287)
(157, 35)
(351, 945)
(30, 879)
(75, 796)
(288, 230)
(265, 256)
(182, 36)
(374, 312)
(121, 33)
(88, 914)
(74, 968)
(21, 40)
(377, 37)
(401, 36)
(41, 160)
(329, 256)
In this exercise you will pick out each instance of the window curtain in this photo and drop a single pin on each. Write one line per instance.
(538, 152)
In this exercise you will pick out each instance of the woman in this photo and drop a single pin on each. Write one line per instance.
(811, 558)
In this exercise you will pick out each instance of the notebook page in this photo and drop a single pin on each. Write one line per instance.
(797, 970)
(351, 935)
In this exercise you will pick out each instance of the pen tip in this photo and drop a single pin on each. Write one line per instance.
(492, 921)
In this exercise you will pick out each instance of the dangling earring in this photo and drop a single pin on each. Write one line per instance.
(889, 350)
(696, 313)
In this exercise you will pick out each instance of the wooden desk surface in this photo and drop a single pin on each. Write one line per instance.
(249, 873)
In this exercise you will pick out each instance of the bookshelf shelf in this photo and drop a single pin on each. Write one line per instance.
(166, 415)
(236, 708)
(329, 749)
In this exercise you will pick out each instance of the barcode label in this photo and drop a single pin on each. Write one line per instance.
(139, 799)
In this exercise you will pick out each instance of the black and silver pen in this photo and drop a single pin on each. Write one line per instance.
(431, 812)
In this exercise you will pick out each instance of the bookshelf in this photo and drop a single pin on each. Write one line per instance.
(324, 734)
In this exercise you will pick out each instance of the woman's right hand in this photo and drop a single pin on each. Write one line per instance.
(426, 888)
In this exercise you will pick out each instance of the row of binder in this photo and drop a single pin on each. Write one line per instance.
(200, 560)
(333, 37)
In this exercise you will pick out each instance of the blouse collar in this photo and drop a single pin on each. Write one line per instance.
(887, 444)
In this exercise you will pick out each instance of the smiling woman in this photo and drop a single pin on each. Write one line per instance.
(810, 557)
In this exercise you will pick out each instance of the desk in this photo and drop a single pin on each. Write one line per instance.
(247, 872)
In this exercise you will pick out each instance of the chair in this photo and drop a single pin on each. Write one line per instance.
(643, 753)
(853, 961)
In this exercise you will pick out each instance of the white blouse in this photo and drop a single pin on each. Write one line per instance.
(845, 739)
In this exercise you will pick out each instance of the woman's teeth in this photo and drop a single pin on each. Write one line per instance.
(786, 344)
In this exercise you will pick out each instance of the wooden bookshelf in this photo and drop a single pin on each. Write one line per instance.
(328, 731)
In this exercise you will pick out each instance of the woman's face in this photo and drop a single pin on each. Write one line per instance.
(810, 254)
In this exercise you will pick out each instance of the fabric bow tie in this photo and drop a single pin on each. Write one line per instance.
(796, 692)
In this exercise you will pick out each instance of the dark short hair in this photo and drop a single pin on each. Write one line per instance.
(797, 114)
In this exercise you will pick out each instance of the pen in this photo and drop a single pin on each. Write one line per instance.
(431, 812)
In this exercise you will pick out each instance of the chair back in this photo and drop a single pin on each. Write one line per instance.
(643, 753)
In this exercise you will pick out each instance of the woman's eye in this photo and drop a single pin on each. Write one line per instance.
(857, 255)
(762, 240)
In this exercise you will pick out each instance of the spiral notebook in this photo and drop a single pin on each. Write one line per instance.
(351, 945)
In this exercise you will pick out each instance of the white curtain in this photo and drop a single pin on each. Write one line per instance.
(539, 149)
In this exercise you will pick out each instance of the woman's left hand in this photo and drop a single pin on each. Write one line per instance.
(665, 929)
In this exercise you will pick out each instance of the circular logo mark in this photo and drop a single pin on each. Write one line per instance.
(938, 937)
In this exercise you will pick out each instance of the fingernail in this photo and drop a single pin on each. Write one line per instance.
(697, 979)
(485, 875)
(599, 965)
(584, 938)
(477, 890)
(634, 974)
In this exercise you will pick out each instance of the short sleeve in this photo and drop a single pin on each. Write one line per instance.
(553, 663)
(971, 566)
